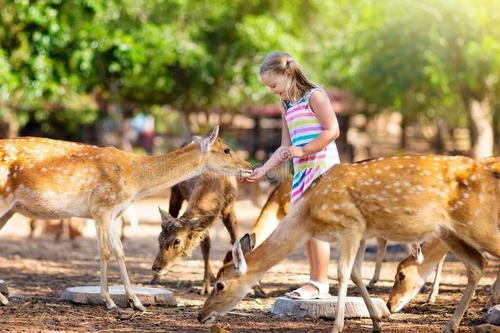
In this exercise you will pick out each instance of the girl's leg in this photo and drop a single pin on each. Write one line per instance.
(319, 257)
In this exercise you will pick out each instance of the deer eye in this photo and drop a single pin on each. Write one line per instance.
(219, 286)
(227, 151)
(401, 276)
(177, 241)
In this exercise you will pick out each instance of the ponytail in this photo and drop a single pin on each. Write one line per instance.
(282, 63)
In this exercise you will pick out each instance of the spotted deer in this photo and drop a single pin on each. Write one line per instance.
(411, 275)
(50, 179)
(273, 212)
(211, 196)
(403, 199)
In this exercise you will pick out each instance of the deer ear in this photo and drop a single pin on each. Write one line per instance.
(247, 243)
(208, 141)
(164, 215)
(240, 265)
(195, 138)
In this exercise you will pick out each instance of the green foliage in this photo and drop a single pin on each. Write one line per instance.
(58, 59)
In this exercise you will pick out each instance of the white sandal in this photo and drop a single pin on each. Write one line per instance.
(300, 293)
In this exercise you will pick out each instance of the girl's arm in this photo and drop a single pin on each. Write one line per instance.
(322, 108)
(280, 156)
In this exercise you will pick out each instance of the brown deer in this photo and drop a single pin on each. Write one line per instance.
(273, 212)
(411, 275)
(403, 199)
(212, 196)
(50, 179)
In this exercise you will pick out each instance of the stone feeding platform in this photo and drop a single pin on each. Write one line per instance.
(92, 295)
(325, 308)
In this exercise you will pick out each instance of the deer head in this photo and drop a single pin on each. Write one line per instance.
(407, 283)
(232, 283)
(177, 239)
(220, 158)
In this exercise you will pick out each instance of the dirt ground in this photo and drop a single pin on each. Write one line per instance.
(38, 270)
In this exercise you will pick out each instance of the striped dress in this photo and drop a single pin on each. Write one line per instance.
(304, 126)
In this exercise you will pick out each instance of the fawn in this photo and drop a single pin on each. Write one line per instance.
(212, 195)
(403, 199)
(50, 179)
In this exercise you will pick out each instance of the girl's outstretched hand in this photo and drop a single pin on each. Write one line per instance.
(256, 174)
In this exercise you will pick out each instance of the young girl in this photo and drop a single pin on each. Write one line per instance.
(308, 133)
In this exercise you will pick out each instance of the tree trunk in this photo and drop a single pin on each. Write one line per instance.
(439, 144)
(481, 120)
(11, 128)
(404, 124)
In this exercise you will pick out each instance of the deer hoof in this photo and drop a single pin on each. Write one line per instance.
(3, 300)
(111, 305)
(136, 304)
(376, 327)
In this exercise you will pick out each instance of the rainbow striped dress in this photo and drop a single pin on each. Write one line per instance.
(304, 126)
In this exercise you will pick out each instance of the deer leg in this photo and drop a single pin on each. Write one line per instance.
(437, 280)
(349, 245)
(381, 250)
(62, 229)
(474, 263)
(356, 277)
(208, 276)
(5, 217)
(230, 222)
(122, 228)
(117, 248)
(176, 200)
(495, 291)
(105, 253)
(32, 228)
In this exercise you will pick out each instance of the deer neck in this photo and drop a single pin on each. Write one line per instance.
(155, 173)
(266, 222)
(295, 230)
(433, 251)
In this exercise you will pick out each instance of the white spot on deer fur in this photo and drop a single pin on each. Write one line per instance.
(44, 169)
(323, 206)
(378, 171)
(386, 167)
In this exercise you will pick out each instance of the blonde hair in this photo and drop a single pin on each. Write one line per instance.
(282, 63)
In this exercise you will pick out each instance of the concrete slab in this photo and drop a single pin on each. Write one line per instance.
(325, 308)
(92, 295)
